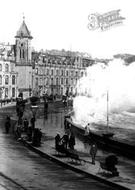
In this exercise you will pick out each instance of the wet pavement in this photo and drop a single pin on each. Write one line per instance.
(54, 123)
(21, 168)
(39, 168)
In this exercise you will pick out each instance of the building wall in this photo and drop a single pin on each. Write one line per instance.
(8, 79)
(24, 80)
(57, 77)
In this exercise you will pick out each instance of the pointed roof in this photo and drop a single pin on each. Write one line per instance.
(23, 31)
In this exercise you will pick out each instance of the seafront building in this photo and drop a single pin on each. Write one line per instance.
(8, 74)
(46, 72)
(58, 74)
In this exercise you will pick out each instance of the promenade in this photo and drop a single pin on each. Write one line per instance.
(126, 167)
(49, 127)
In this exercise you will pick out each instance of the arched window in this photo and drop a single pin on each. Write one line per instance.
(61, 80)
(0, 80)
(6, 68)
(51, 81)
(47, 81)
(23, 53)
(62, 73)
(20, 53)
(66, 81)
(13, 79)
(6, 92)
(0, 67)
(13, 92)
(66, 73)
(6, 79)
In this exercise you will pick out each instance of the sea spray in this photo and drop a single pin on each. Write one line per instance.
(116, 78)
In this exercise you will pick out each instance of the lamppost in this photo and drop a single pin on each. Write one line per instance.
(34, 111)
(34, 108)
(37, 134)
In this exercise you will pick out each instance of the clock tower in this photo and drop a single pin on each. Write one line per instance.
(23, 59)
(23, 45)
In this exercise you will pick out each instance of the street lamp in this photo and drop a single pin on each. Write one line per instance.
(34, 108)
(34, 111)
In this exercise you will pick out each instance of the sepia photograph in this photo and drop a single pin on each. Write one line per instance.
(67, 98)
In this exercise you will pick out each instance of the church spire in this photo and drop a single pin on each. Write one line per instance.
(23, 31)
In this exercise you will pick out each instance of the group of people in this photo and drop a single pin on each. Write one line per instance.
(66, 141)
(32, 134)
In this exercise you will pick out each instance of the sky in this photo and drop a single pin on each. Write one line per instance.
(62, 24)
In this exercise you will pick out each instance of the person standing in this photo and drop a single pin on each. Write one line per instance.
(57, 141)
(33, 123)
(65, 140)
(7, 124)
(72, 141)
(87, 130)
(93, 151)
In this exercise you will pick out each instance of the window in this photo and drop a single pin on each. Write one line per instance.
(57, 81)
(66, 73)
(72, 82)
(6, 92)
(76, 73)
(61, 91)
(13, 79)
(81, 74)
(0, 80)
(0, 93)
(13, 92)
(61, 80)
(0, 67)
(47, 81)
(20, 53)
(23, 54)
(62, 73)
(6, 68)
(51, 72)
(72, 73)
(36, 81)
(66, 81)
(36, 70)
(6, 79)
(51, 81)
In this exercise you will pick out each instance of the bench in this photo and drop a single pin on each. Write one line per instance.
(74, 157)
(68, 153)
